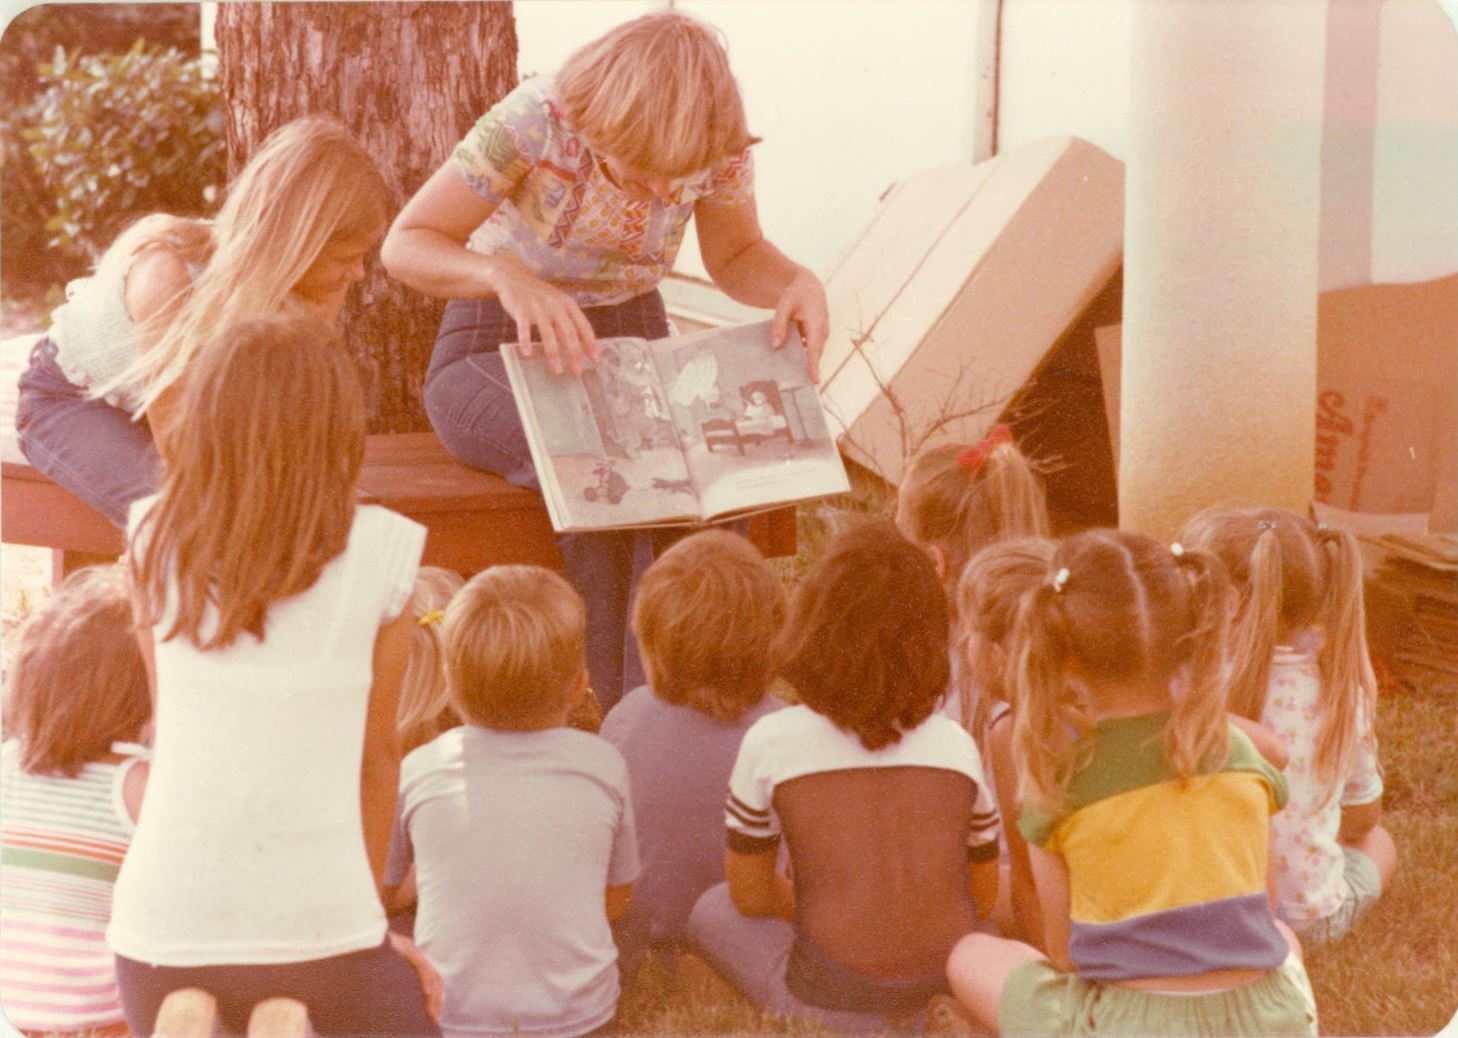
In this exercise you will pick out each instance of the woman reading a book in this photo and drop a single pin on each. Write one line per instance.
(553, 223)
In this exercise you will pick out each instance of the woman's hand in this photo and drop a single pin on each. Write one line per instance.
(803, 301)
(430, 981)
(535, 304)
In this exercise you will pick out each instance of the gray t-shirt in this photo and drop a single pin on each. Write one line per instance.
(515, 837)
(679, 762)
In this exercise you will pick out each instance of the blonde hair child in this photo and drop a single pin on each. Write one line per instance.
(988, 594)
(71, 781)
(1299, 664)
(295, 227)
(276, 610)
(519, 827)
(1146, 813)
(425, 706)
(955, 500)
(292, 233)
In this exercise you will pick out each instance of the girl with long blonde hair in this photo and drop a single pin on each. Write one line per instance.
(1146, 812)
(98, 401)
(1299, 664)
(275, 612)
(954, 500)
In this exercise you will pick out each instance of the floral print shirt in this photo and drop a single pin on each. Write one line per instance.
(1307, 858)
(560, 214)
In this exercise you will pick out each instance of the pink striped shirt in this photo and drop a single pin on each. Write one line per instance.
(61, 843)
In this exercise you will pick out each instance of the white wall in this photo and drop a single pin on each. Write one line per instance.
(1415, 169)
(1064, 69)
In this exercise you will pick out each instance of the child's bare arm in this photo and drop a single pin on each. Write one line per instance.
(982, 879)
(156, 286)
(617, 901)
(1050, 873)
(756, 888)
(134, 786)
(1359, 819)
(1027, 915)
(380, 764)
(1267, 743)
(401, 895)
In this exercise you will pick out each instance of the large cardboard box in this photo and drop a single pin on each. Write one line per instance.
(962, 284)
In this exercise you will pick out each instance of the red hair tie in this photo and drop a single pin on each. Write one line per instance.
(974, 457)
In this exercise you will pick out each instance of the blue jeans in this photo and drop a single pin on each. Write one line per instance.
(469, 401)
(754, 954)
(370, 992)
(94, 450)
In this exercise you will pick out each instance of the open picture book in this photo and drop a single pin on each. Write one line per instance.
(677, 430)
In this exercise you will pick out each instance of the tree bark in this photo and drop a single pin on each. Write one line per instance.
(408, 79)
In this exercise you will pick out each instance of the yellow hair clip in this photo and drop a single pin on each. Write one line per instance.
(430, 616)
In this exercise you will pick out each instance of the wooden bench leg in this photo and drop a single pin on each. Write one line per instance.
(65, 562)
(187, 1013)
(279, 1018)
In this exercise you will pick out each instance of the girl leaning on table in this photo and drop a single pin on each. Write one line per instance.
(100, 397)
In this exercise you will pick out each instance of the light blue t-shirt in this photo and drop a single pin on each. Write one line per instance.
(679, 762)
(515, 837)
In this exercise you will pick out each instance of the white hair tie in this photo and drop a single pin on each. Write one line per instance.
(1059, 579)
(1177, 550)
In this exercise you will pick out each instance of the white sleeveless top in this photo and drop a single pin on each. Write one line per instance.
(94, 336)
(250, 848)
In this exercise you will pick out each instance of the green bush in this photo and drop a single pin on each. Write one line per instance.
(115, 136)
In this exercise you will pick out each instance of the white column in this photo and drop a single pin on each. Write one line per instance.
(1221, 257)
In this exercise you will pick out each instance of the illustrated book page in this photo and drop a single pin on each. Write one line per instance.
(678, 430)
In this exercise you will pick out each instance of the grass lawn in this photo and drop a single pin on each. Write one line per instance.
(1395, 974)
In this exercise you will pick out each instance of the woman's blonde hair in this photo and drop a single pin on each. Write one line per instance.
(706, 615)
(988, 594)
(656, 93)
(425, 706)
(79, 683)
(1117, 607)
(1292, 575)
(260, 496)
(309, 185)
(959, 498)
(515, 640)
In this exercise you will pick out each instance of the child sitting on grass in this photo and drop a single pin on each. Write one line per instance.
(425, 712)
(988, 593)
(706, 617)
(520, 828)
(881, 800)
(275, 609)
(71, 781)
(954, 501)
(1300, 666)
(1146, 812)
(425, 705)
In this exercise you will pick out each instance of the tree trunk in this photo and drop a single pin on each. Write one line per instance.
(408, 79)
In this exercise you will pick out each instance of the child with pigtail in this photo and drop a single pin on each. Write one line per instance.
(1146, 813)
(425, 705)
(1299, 664)
(986, 603)
(955, 500)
